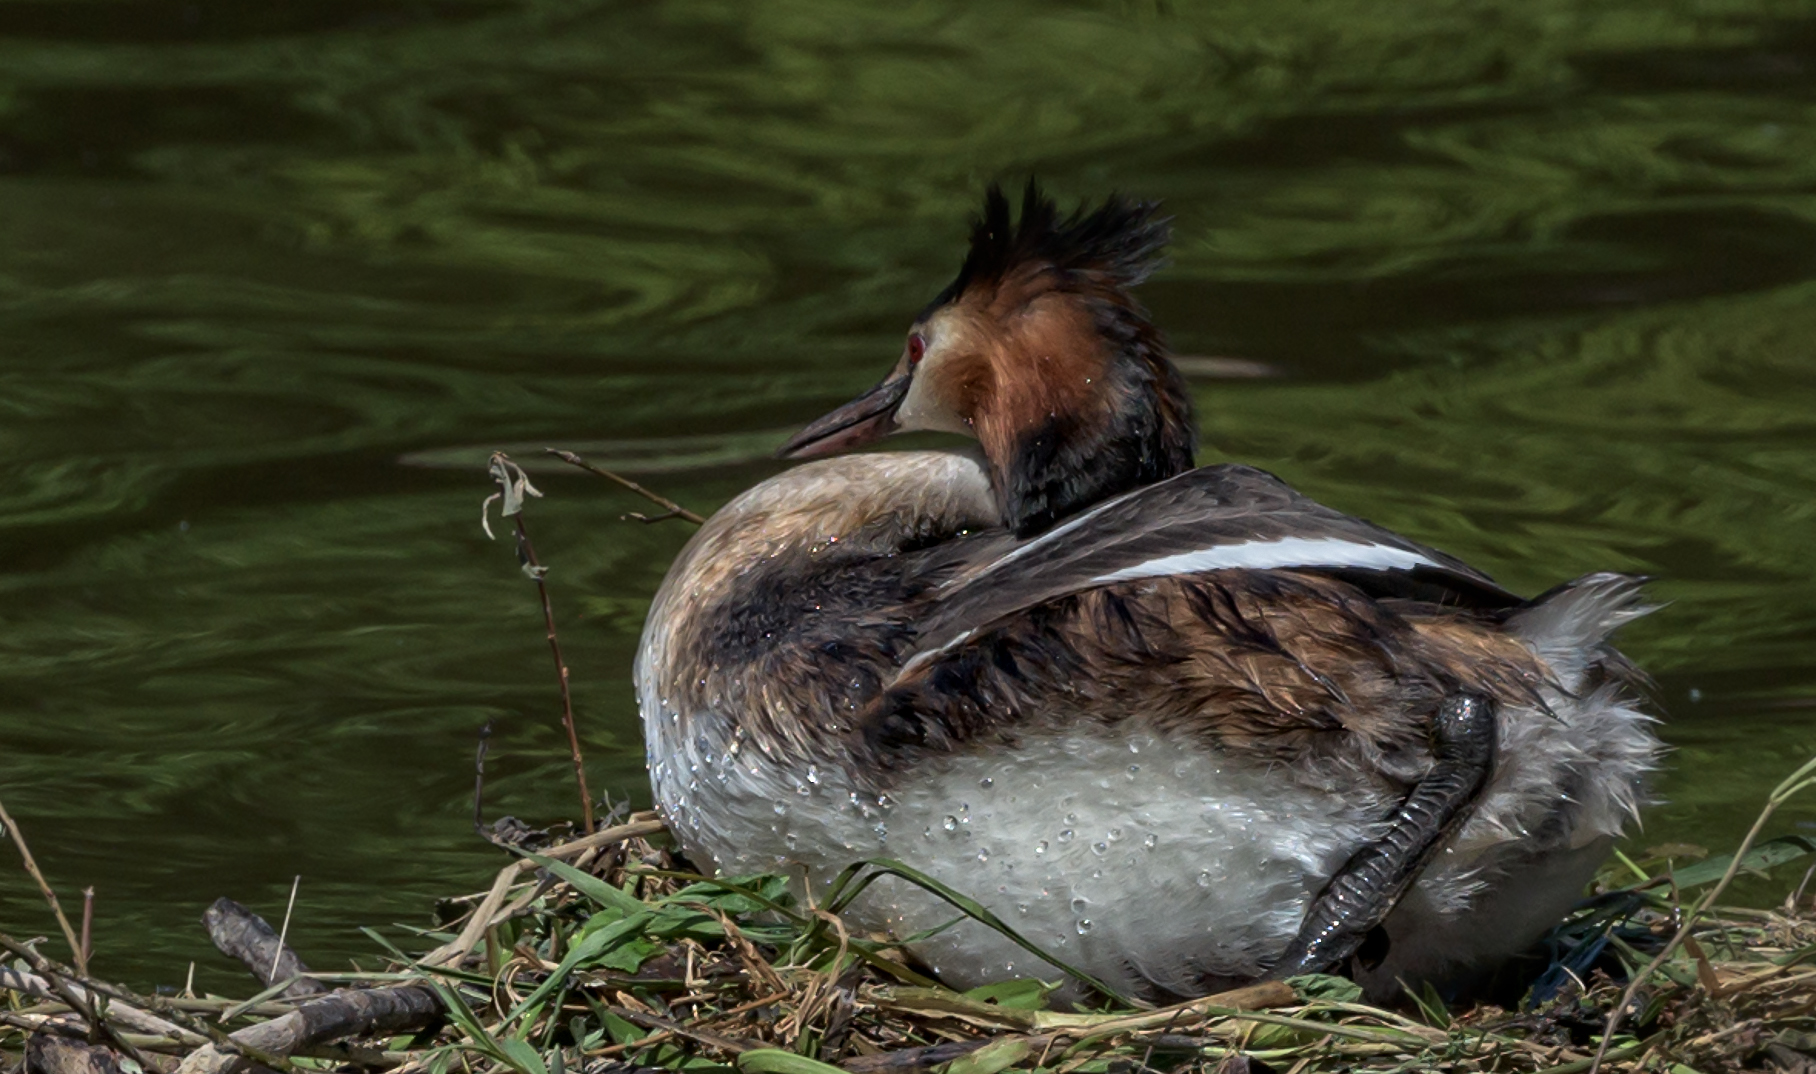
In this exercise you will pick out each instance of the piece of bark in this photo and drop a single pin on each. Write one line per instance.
(336, 1016)
(46, 1053)
(244, 935)
(62, 1047)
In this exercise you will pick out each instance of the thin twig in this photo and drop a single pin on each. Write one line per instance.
(283, 933)
(88, 924)
(711, 1040)
(657, 1037)
(479, 779)
(31, 866)
(528, 553)
(513, 486)
(673, 509)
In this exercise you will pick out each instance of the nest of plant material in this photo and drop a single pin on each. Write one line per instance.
(606, 953)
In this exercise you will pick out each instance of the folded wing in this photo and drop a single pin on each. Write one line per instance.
(1212, 518)
(1219, 603)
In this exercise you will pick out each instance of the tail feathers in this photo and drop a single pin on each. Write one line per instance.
(1569, 626)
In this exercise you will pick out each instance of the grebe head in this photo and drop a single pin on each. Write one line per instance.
(1039, 350)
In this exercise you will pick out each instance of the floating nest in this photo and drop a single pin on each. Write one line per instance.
(606, 954)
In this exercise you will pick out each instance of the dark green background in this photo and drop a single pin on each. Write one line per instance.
(1539, 278)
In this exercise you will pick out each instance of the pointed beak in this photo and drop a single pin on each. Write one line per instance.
(864, 420)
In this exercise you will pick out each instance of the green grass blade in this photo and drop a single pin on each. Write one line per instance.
(777, 1061)
(970, 908)
(589, 885)
(1764, 855)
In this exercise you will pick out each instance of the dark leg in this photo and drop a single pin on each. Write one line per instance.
(1368, 886)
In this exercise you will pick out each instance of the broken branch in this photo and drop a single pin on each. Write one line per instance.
(673, 509)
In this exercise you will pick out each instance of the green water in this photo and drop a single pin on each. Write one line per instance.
(1538, 279)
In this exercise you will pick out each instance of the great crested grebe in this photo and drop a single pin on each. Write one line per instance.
(1181, 728)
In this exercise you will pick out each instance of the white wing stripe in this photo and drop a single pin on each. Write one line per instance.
(1043, 540)
(1284, 553)
(921, 658)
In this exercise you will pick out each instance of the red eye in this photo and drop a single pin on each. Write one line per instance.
(916, 347)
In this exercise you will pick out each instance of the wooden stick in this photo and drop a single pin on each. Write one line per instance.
(241, 934)
(336, 1016)
(88, 924)
(68, 993)
(31, 866)
(131, 1017)
(674, 509)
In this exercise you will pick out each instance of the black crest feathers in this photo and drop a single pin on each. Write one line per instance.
(1137, 426)
(1119, 243)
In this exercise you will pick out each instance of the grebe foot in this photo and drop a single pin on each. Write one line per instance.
(1369, 885)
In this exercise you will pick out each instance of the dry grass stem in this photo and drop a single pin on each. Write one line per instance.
(670, 508)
